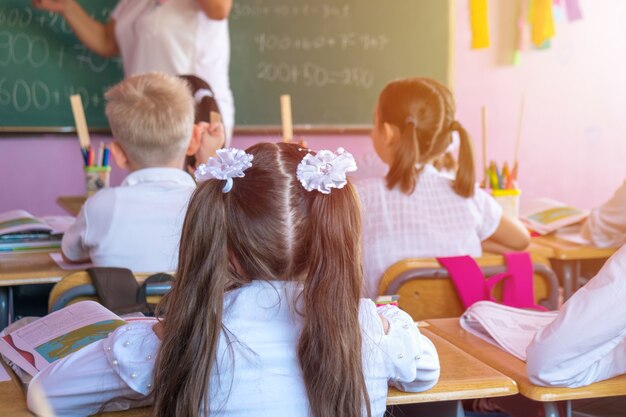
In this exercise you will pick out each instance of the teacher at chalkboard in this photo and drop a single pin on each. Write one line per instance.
(173, 36)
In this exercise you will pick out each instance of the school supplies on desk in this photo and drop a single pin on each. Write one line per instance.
(16, 222)
(383, 300)
(20, 230)
(42, 342)
(545, 215)
(58, 259)
(97, 168)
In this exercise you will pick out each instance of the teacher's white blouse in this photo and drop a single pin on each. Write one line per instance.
(261, 377)
(587, 341)
(176, 37)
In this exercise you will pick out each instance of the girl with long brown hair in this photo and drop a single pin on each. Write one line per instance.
(415, 211)
(265, 317)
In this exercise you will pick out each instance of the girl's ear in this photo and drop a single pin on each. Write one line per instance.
(119, 155)
(391, 133)
(196, 140)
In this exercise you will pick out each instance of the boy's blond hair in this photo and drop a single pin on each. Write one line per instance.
(151, 115)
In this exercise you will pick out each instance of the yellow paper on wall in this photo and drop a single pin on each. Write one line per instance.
(479, 23)
(542, 21)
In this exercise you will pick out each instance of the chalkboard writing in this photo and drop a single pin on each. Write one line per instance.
(332, 56)
(42, 64)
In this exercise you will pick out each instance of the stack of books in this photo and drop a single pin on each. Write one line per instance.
(20, 230)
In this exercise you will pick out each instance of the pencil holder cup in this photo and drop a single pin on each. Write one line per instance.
(508, 200)
(96, 178)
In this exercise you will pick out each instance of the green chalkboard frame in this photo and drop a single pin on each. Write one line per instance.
(271, 126)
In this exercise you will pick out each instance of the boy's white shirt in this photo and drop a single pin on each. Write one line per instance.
(606, 225)
(434, 221)
(136, 225)
(586, 343)
(263, 379)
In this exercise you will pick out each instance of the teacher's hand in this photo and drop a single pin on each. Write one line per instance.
(58, 6)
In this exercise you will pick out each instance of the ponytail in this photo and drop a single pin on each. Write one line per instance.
(329, 348)
(464, 183)
(403, 171)
(194, 308)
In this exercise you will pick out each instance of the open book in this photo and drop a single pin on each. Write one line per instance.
(20, 230)
(48, 339)
(511, 329)
(545, 215)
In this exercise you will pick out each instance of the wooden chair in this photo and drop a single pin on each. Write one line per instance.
(426, 291)
(78, 286)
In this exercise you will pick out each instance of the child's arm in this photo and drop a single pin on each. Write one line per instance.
(511, 235)
(586, 343)
(411, 358)
(116, 372)
(73, 247)
(606, 225)
(211, 138)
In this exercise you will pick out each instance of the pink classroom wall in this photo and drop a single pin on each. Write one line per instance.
(574, 132)
(574, 135)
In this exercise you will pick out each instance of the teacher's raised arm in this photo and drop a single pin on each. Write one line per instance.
(216, 9)
(98, 37)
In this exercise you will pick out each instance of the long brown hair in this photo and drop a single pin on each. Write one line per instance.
(423, 110)
(275, 230)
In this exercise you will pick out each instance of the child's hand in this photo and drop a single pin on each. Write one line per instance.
(211, 139)
(158, 330)
(385, 324)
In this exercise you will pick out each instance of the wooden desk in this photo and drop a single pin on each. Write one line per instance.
(13, 401)
(71, 203)
(462, 377)
(514, 368)
(32, 267)
(567, 257)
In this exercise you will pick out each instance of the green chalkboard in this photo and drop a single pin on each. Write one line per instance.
(332, 56)
(42, 64)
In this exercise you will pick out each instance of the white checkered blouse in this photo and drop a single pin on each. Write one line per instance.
(434, 221)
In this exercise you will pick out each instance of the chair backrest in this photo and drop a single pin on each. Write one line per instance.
(426, 290)
(78, 286)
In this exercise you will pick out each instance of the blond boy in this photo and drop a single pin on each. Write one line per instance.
(137, 225)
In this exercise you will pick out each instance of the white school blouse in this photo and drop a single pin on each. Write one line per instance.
(260, 377)
(587, 341)
(606, 225)
(136, 225)
(176, 37)
(434, 221)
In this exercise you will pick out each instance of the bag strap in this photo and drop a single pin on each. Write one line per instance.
(467, 278)
(117, 290)
(519, 291)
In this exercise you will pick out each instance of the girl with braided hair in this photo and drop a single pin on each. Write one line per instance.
(415, 211)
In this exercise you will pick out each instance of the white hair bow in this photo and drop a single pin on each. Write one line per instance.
(325, 170)
(230, 163)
